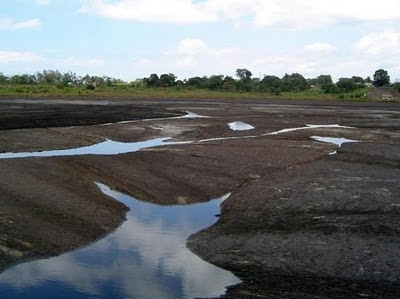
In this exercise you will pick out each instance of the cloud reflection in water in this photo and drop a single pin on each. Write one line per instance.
(145, 258)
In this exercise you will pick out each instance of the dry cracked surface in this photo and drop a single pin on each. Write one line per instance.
(299, 223)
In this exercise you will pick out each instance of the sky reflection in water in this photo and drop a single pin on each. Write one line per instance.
(240, 126)
(145, 258)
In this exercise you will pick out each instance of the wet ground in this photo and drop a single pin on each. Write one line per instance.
(303, 220)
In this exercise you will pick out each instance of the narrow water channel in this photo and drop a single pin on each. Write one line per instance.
(144, 258)
(110, 147)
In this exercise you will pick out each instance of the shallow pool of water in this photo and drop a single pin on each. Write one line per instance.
(240, 126)
(108, 147)
(144, 258)
(187, 115)
(334, 140)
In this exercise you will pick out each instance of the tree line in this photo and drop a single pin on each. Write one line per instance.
(50, 77)
(244, 81)
(269, 83)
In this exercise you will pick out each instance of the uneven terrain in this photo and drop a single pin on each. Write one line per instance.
(302, 220)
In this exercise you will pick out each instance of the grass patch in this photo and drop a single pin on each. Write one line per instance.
(127, 91)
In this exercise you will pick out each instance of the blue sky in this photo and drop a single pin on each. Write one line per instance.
(134, 38)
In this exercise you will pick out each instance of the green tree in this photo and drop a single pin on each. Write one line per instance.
(255, 84)
(167, 80)
(49, 77)
(324, 80)
(244, 76)
(358, 80)
(3, 79)
(152, 81)
(312, 81)
(294, 82)
(23, 79)
(329, 88)
(69, 79)
(346, 85)
(381, 78)
(229, 84)
(195, 82)
(215, 82)
(270, 82)
(138, 83)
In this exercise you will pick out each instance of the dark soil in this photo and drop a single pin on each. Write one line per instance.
(21, 115)
(300, 223)
(327, 228)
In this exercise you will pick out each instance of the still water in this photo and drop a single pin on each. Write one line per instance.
(108, 147)
(334, 140)
(240, 126)
(146, 257)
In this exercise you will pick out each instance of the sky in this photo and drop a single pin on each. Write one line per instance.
(130, 39)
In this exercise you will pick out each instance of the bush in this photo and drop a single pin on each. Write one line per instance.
(346, 85)
(328, 88)
(229, 86)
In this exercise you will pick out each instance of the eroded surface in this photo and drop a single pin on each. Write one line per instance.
(299, 222)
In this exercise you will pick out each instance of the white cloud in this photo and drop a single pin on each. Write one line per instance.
(18, 56)
(313, 13)
(320, 48)
(279, 64)
(192, 46)
(264, 13)
(191, 51)
(386, 42)
(10, 25)
(195, 46)
(187, 62)
(172, 11)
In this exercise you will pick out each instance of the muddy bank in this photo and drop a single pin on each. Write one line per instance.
(52, 205)
(327, 228)
(20, 115)
(49, 206)
(299, 222)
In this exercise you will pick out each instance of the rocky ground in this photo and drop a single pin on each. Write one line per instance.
(299, 223)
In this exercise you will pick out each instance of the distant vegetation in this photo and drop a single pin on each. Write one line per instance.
(289, 86)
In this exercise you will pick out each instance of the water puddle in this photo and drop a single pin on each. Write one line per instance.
(187, 115)
(192, 115)
(308, 127)
(275, 133)
(333, 140)
(145, 258)
(108, 147)
(240, 126)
